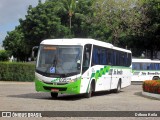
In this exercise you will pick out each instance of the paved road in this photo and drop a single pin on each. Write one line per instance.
(21, 96)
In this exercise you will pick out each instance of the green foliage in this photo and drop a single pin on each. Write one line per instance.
(4, 55)
(147, 37)
(131, 23)
(120, 17)
(151, 31)
(81, 25)
(43, 22)
(15, 44)
(70, 7)
(16, 71)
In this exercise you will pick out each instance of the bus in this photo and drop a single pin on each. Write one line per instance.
(145, 69)
(81, 66)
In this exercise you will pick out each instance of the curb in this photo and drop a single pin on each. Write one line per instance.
(157, 96)
(136, 82)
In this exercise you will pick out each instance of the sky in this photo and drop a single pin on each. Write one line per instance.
(10, 13)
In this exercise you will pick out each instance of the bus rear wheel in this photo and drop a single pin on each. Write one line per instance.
(155, 78)
(54, 95)
(118, 89)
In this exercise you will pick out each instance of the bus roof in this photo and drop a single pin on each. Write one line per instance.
(145, 60)
(81, 41)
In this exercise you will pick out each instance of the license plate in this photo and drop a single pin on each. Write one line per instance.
(54, 90)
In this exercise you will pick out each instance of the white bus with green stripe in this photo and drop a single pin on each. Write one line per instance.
(81, 66)
(145, 69)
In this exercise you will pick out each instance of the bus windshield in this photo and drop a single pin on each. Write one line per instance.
(59, 61)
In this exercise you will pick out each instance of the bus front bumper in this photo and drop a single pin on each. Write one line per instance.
(70, 88)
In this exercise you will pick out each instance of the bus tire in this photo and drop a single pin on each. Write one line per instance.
(155, 78)
(118, 89)
(90, 92)
(54, 95)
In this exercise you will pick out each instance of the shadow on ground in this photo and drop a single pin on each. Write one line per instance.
(141, 95)
(47, 96)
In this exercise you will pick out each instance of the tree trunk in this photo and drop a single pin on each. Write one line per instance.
(70, 22)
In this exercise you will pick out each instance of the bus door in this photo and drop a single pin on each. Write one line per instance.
(85, 66)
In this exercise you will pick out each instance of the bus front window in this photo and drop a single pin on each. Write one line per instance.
(61, 61)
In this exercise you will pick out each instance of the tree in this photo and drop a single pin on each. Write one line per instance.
(152, 30)
(70, 6)
(15, 44)
(146, 37)
(131, 23)
(81, 25)
(43, 22)
(4, 55)
(120, 17)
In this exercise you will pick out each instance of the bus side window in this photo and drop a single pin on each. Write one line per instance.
(109, 57)
(158, 66)
(125, 59)
(103, 57)
(86, 57)
(151, 66)
(133, 66)
(114, 57)
(128, 63)
(136, 66)
(95, 56)
(117, 58)
(99, 56)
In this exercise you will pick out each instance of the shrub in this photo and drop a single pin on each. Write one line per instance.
(4, 55)
(12, 71)
(151, 86)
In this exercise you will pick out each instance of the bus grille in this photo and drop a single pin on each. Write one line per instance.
(55, 83)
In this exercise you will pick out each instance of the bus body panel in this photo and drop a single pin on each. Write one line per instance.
(145, 69)
(101, 74)
(46, 85)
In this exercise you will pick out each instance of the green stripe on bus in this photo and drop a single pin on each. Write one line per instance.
(99, 74)
(103, 71)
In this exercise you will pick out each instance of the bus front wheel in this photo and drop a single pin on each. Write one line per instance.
(89, 94)
(54, 95)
